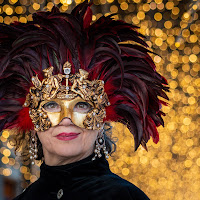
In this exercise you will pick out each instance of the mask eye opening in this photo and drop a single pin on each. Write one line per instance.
(83, 107)
(51, 106)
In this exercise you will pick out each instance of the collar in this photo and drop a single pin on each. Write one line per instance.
(76, 170)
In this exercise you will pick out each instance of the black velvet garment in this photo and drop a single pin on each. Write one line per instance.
(82, 180)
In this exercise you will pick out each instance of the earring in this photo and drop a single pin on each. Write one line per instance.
(33, 147)
(100, 145)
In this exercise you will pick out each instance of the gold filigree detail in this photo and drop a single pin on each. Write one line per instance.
(76, 85)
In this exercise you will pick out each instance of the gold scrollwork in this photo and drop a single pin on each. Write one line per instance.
(51, 87)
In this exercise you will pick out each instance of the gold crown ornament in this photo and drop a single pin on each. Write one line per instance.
(50, 101)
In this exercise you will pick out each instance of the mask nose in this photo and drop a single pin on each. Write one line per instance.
(65, 113)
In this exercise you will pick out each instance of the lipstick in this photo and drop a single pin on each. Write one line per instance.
(67, 136)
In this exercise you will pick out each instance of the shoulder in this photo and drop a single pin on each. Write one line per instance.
(119, 189)
(30, 191)
(22, 195)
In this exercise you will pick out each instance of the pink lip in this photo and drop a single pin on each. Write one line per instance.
(67, 136)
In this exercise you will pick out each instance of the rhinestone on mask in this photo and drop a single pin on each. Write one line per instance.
(67, 70)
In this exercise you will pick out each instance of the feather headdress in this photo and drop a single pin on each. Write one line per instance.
(52, 38)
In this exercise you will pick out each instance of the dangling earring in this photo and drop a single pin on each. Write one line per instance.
(33, 147)
(100, 145)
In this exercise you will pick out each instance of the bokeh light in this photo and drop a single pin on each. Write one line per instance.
(171, 168)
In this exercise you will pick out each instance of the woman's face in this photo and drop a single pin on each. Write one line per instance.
(66, 143)
(67, 140)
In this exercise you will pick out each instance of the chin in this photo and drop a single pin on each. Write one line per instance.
(68, 148)
(68, 152)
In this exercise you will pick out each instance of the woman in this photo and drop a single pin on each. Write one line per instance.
(62, 81)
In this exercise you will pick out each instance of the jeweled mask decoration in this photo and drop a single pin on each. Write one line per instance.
(82, 101)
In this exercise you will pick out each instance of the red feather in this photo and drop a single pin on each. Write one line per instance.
(87, 18)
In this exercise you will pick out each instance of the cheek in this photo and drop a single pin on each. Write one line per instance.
(90, 137)
(44, 138)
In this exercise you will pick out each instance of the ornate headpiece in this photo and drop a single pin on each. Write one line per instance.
(96, 52)
(51, 87)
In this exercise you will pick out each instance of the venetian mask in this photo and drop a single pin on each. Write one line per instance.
(82, 101)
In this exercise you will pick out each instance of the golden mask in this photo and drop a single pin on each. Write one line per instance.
(83, 101)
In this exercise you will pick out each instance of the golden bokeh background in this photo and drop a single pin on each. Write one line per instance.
(170, 170)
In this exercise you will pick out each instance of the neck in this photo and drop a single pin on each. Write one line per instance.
(55, 160)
